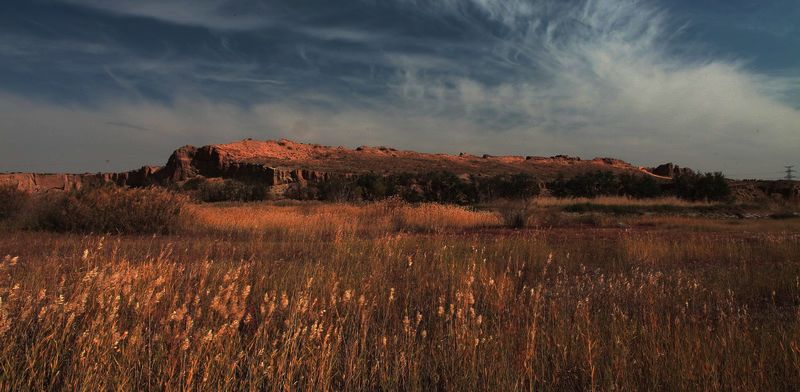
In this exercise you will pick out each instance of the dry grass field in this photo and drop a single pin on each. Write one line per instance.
(389, 296)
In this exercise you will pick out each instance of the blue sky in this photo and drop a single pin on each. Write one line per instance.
(97, 85)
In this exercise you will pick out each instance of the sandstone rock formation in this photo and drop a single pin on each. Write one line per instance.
(670, 170)
(282, 162)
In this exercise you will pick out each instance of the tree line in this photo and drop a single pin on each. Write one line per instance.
(449, 188)
(688, 186)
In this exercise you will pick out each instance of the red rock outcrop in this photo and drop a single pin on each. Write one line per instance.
(281, 162)
(670, 170)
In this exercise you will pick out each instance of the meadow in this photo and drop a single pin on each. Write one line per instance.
(392, 296)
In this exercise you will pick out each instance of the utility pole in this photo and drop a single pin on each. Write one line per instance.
(789, 173)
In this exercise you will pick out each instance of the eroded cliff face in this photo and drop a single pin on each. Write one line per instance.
(184, 164)
(670, 170)
(214, 162)
(33, 182)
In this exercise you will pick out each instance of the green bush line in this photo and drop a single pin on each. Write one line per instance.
(448, 188)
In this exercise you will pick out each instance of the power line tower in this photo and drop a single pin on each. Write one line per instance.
(789, 173)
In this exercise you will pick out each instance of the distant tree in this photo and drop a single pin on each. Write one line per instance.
(444, 187)
(639, 186)
(708, 186)
(337, 189)
(371, 186)
(230, 190)
(523, 186)
(589, 184)
(403, 185)
(12, 201)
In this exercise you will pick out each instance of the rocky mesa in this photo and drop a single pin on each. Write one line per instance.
(277, 163)
(281, 162)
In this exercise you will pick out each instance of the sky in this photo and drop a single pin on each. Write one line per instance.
(111, 85)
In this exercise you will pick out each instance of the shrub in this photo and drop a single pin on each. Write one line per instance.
(639, 186)
(12, 201)
(436, 187)
(337, 189)
(589, 184)
(444, 187)
(109, 209)
(522, 186)
(193, 184)
(517, 186)
(515, 214)
(708, 186)
(550, 218)
(371, 187)
(230, 190)
(404, 185)
(606, 183)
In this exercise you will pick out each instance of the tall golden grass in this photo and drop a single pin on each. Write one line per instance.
(261, 297)
(320, 219)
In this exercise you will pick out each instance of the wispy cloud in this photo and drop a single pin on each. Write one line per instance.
(540, 77)
(214, 14)
(18, 45)
(600, 77)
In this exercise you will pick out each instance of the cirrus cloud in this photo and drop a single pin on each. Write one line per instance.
(538, 77)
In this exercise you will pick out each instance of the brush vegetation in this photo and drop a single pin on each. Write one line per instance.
(12, 202)
(106, 209)
(397, 296)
